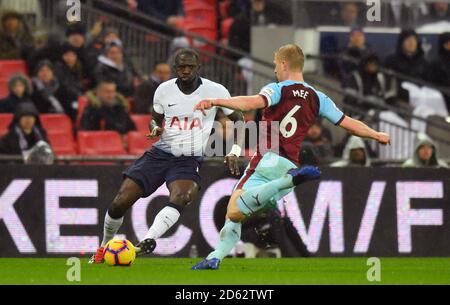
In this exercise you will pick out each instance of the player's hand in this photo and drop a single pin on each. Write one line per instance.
(233, 164)
(156, 132)
(384, 138)
(204, 105)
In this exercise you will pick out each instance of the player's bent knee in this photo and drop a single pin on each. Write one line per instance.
(182, 198)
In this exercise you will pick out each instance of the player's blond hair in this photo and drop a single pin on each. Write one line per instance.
(293, 55)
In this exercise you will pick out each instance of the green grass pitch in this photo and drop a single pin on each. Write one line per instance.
(235, 271)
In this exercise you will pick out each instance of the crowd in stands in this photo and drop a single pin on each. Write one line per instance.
(86, 75)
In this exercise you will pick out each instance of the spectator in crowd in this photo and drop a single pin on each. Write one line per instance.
(25, 131)
(97, 46)
(112, 65)
(351, 14)
(16, 41)
(316, 148)
(239, 35)
(438, 11)
(353, 53)
(409, 59)
(49, 94)
(438, 71)
(69, 70)
(425, 154)
(369, 82)
(19, 92)
(264, 12)
(355, 154)
(107, 109)
(169, 11)
(143, 97)
(76, 37)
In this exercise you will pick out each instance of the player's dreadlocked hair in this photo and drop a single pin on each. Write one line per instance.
(186, 51)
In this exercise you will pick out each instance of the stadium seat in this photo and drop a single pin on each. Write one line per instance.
(56, 123)
(82, 103)
(138, 143)
(195, 5)
(226, 26)
(93, 143)
(5, 120)
(10, 67)
(4, 91)
(223, 8)
(62, 144)
(141, 121)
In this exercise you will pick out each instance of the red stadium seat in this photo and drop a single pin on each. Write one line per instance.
(4, 91)
(62, 144)
(10, 67)
(224, 6)
(56, 123)
(82, 103)
(141, 121)
(226, 26)
(5, 120)
(98, 143)
(138, 143)
(194, 5)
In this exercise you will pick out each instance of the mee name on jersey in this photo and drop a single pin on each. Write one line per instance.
(295, 106)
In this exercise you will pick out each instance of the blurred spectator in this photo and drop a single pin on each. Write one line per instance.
(143, 97)
(349, 13)
(264, 12)
(76, 37)
(107, 110)
(370, 83)
(25, 131)
(438, 71)
(96, 47)
(239, 35)
(169, 11)
(425, 154)
(49, 94)
(31, 10)
(69, 71)
(408, 59)
(355, 154)
(19, 92)
(438, 11)
(316, 148)
(112, 66)
(237, 7)
(16, 41)
(353, 53)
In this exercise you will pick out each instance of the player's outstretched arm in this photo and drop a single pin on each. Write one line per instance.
(360, 129)
(240, 103)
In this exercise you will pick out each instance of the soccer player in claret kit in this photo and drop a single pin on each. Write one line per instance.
(272, 174)
(176, 158)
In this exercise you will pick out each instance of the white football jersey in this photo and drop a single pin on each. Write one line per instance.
(186, 131)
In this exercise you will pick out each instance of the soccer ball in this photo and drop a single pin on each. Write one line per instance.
(119, 252)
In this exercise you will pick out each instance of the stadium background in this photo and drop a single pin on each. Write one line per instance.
(205, 26)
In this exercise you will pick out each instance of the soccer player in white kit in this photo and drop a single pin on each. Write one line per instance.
(176, 158)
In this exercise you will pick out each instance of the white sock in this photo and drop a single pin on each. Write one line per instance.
(165, 219)
(110, 228)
